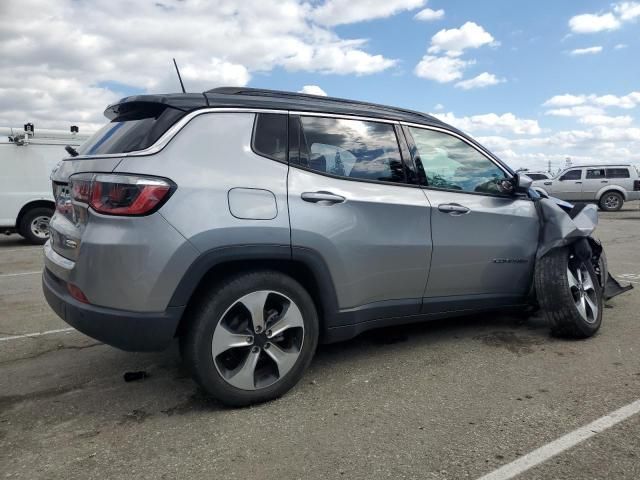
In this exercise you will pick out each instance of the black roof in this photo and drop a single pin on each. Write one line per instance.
(271, 99)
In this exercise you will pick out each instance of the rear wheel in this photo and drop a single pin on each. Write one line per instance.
(252, 338)
(611, 201)
(569, 294)
(34, 225)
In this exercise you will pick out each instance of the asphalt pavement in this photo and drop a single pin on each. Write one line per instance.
(449, 399)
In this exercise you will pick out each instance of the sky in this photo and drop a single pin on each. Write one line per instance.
(535, 82)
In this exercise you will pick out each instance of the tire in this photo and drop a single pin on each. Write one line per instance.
(237, 374)
(571, 302)
(611, 201)
(34, 225)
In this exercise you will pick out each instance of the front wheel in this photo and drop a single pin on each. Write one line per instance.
(569, 294)
(251, 338)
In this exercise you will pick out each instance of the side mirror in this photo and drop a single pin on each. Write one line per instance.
(523, 183)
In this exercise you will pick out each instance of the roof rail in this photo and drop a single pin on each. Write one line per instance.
(305, 96)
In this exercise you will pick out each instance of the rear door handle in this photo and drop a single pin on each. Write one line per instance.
(604, 181)
(578, 182)
(453, 208)
(316, 197)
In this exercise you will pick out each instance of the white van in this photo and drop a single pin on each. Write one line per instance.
(27, 157)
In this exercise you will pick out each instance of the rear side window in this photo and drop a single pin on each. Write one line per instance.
(136, 129)
(352, 148)
(618, 173)
(595, 173)
(270, 136)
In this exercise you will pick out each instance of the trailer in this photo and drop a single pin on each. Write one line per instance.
(27, 158)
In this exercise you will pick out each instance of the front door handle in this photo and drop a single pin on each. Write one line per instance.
(453, 208)
(578, 183)
(317, 197)
(548, 183)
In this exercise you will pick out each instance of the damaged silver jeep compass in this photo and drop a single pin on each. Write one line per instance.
(253, 224)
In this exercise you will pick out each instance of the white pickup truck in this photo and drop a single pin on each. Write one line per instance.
(607, 185)
(27, 157)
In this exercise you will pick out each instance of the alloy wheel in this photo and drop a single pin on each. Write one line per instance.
(611, 202)
(583, 290)
(258, 340)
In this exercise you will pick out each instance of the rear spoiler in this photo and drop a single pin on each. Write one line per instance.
(145, 105)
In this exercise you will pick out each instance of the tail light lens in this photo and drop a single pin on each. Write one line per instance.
(129, 195)
(636, 185)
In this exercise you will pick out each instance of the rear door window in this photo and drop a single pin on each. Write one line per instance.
(352, 149)
(595, 173)
(618, 173)
(133, 130)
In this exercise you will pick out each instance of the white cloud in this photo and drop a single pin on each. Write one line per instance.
(575, 105)
(429, 15)
(96, 51)
(485, 79)
(620, 46)
(576, 111)
(566, 100)
(592, 23)
(506, 122)
(619, 121)
(441, 69)
(601, 22)
(337, 12)
(455, 40)
(627, 10)
(586, 51)
(313, 90)
(438, 106)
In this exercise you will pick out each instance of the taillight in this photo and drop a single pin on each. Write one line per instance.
(120, 194)
(636, 185)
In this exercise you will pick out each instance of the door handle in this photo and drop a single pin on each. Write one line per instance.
(604, 181)
(453, 208)
(315, 197)
(578, 182)
(548, 183)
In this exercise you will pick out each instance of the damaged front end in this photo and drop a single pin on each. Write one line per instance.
(563, 224)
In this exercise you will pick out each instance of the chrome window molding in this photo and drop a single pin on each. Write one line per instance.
(167, 136)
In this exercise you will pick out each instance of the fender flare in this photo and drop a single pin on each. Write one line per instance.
(609, 188)
(280, 256)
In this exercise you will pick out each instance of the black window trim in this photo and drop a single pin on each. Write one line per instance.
(413, 146)
(253, 137)
(295, 115)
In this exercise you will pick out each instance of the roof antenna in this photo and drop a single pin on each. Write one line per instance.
(179, 77)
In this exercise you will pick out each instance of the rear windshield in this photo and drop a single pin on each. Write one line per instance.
(133, 131)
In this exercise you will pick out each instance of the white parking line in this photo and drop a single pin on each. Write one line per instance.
(28, 249)
(37, 334)
(563, 443)
(19, 274)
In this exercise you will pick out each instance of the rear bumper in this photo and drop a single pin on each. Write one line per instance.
(131, 331)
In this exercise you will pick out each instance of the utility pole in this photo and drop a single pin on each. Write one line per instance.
(549, 167)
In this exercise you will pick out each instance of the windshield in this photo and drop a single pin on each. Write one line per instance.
(130, 133)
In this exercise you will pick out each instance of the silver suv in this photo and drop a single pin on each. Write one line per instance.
(252, 224)
(607, 185)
